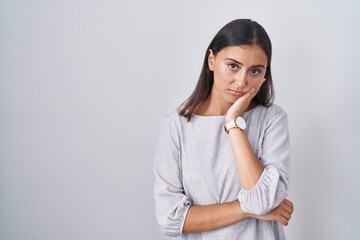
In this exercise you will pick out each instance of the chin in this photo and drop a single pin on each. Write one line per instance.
(231, 100)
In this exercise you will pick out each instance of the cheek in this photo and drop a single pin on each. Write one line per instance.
(254, 82)
(222, 74)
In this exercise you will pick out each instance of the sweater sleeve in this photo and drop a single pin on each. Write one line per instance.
(272, 186)
(171, 203)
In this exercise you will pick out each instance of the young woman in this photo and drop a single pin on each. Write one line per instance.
(222, 162)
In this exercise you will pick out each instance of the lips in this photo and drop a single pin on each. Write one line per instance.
(236, 93)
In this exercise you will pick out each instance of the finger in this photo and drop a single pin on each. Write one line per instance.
(289, 204)
(284, 221)
(285, 215)
(262, 83)
(287, 208)
(257, 88)
(253, 91)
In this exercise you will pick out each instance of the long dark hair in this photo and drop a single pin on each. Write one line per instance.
(235, 33)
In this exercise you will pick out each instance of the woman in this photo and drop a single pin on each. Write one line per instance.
(222, 162)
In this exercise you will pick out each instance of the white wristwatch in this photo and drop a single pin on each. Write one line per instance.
(238, 122)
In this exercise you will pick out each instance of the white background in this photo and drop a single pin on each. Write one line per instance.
(84, 84)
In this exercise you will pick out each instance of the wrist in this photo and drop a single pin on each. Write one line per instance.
(229, 118)
(242, 214)
(237, 122)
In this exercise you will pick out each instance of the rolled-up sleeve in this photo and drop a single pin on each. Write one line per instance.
(171, 203)
(272, 186)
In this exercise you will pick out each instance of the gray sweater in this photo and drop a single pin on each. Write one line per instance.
(194, 165)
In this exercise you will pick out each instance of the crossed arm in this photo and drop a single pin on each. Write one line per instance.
(206, 218)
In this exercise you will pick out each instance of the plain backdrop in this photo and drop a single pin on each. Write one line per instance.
(84, 84)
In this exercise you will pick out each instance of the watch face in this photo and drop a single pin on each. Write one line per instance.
(241, 122)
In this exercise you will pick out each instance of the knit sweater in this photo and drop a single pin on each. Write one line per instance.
(194, 165)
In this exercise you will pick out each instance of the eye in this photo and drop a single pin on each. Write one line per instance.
(233, 66)
(255, 72)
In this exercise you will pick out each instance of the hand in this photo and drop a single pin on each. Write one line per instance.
(281, 213)
(239, 106)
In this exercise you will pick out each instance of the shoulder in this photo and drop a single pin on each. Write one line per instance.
(173, 118)
(273, 108)
(276, 116)
(173, 123)
(276, 110)
(271, 111)
(266, 115)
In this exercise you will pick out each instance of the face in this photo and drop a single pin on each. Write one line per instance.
(237, 70)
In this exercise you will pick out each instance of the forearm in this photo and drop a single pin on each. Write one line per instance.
(210, 217)
(248, 166)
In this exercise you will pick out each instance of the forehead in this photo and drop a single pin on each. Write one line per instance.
(253, 54)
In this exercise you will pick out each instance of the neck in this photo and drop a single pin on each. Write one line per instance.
(211, 106)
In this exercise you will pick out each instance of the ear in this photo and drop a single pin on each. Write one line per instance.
(211, 60)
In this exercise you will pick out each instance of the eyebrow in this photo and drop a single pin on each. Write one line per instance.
(231, 59)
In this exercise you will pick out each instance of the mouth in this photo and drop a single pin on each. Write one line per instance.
(235, 92)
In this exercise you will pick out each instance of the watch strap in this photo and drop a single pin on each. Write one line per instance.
(229, 125)
(232, 124)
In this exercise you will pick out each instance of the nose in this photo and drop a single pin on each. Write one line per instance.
(240, 79)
